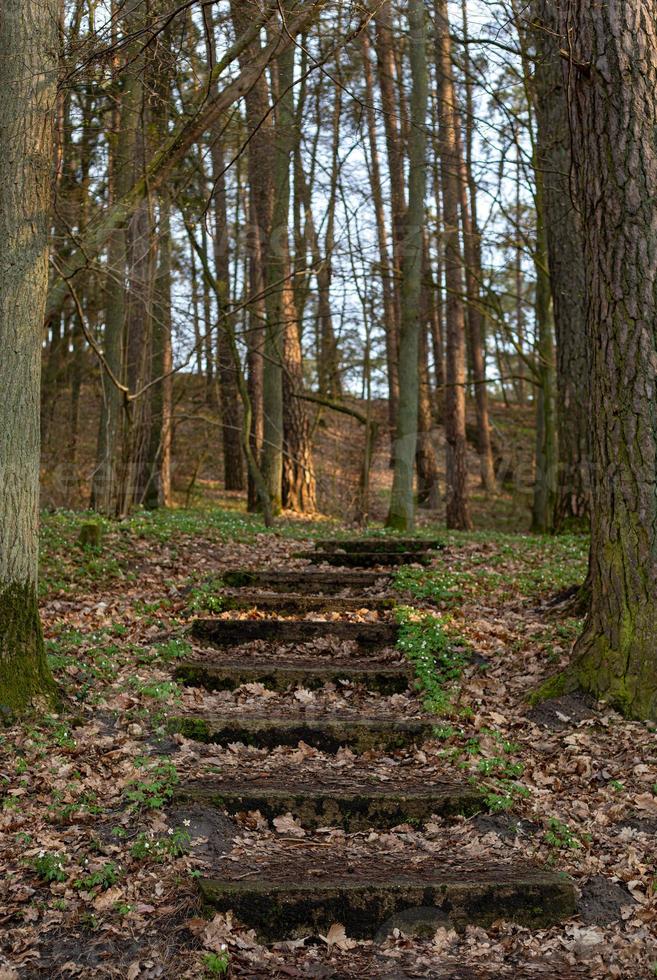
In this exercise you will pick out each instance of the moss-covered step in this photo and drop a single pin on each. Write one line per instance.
(387, 545)
(300, 603)
(359, 808)
(234, 632)
(366, 559)
(224, 675)
(463, 892)
(325, 732)
(306, 580)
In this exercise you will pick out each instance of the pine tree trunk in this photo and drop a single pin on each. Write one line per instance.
(260, 180)
(611, 78)
(287, 454)
(564, 238)
(402, 511)
(428, 492)
(475, 321)
(228, 388)
(387, 284)
(158, 491)
(298, 484)
(458, 514)
(387, 72)
(28, 80)
(545, 483)
(104, 490)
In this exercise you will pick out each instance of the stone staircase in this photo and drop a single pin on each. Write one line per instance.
(302, 887)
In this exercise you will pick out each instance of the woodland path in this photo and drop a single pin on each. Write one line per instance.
(335, 631)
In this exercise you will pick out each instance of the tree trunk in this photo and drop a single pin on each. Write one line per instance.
(104, 489)
(158, 491)
(564, 238)
(260, 181)
(28, 77)
(386, 70)
(228, 388)
(298, 485)
(402, 512)
(387, 284)
(475, 321)
(428, 492)
(611, 78)
(297, 476)
(545, 482)
(458, 514)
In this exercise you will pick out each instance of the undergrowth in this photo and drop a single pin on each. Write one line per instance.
(437, 662)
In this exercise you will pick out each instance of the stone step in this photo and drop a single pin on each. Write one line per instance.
(304, 580)
(298, 603)
(387, 545)
(451, 891)
(227, 675)
(362, 806)
(366, 559)
(325, 732)
(235, 632)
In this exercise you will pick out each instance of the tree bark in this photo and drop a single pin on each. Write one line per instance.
(28, 78)
(475, 321)
(386, 71)
(228, 387)
(428, 491)
(158, 491)
(610, 74)
(458, 514)
(387, 284)
(565, 247)
(261, 201)
(104, 489)
(401, 514)
(545, 481)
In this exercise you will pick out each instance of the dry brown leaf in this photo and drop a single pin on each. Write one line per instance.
(337, 936)
(288, 825)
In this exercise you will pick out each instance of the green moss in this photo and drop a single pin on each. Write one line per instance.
(25, 679)
(194, 728)
(554, 687)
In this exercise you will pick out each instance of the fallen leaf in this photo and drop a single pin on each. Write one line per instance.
(337, 936)
(288, 825)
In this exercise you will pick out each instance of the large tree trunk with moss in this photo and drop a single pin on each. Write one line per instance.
(458, 514)
(402, 512)
(564, 240)
(611, 75)
(28, 78)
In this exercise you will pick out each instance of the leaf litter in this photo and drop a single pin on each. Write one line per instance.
(93, 884)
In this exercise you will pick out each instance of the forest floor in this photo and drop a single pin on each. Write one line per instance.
(99, 863)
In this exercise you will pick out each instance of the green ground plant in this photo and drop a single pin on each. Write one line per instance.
(437, 662)
(156, 787)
